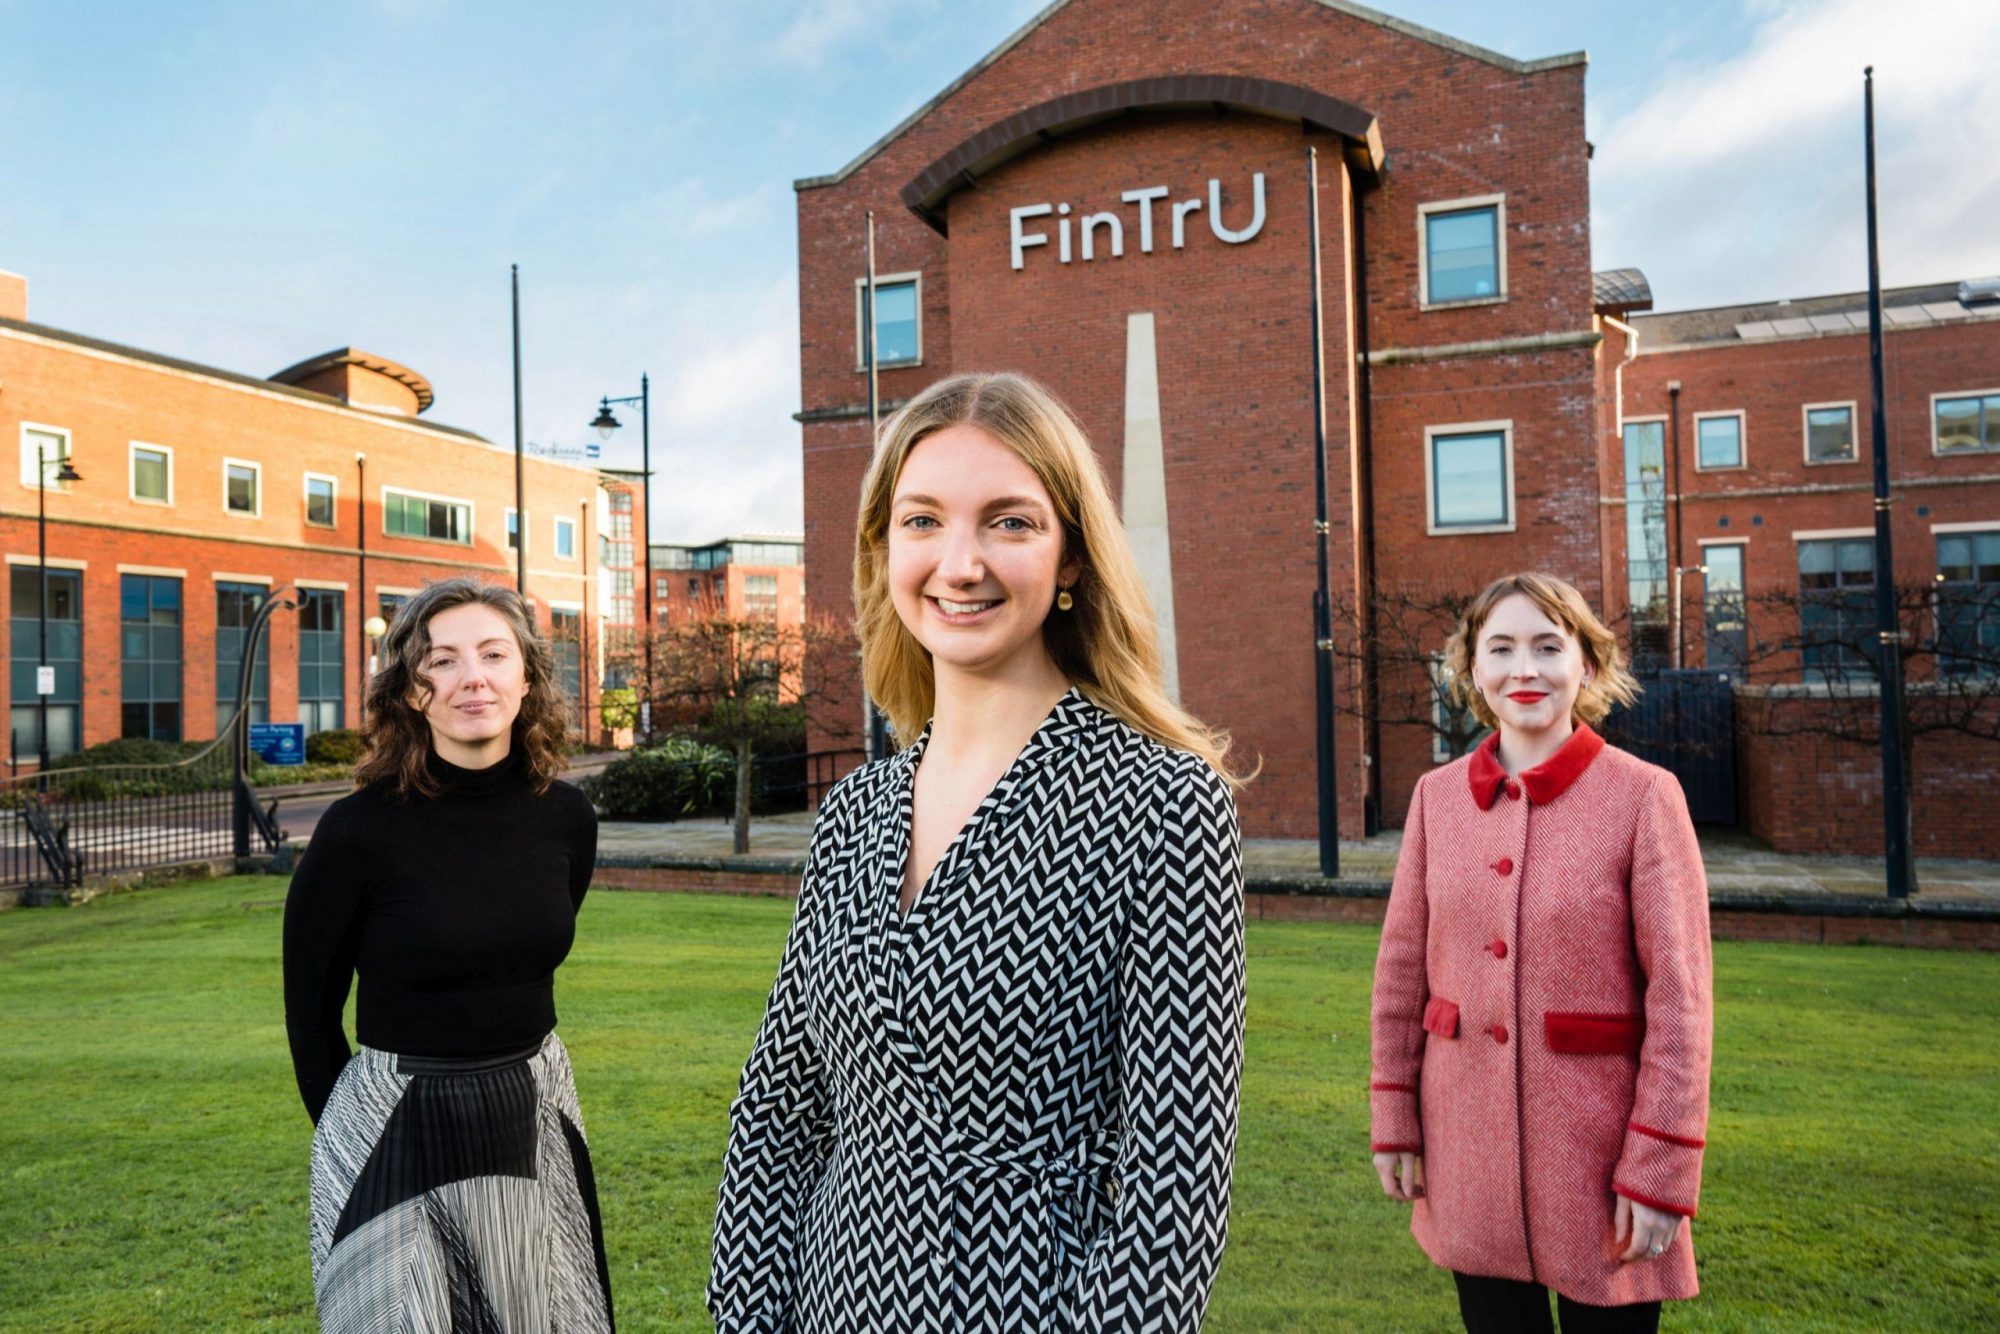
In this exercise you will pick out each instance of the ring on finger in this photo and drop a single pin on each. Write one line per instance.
(1657, 1248)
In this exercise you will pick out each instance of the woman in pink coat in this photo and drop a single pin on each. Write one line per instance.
(1542, 996)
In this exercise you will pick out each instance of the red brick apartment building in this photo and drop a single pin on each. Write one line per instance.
(202, 491)
(747, 576)
(1115, 201)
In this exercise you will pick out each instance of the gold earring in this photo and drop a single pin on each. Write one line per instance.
(1064, 601)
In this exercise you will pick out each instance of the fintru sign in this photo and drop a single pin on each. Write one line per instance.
(1112, 225)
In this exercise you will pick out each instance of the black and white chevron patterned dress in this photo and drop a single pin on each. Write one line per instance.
(1013, 1108)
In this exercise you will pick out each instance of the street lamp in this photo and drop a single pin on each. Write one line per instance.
(45, 684)
(605, 425)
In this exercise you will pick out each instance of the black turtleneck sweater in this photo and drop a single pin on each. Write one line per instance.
(454, 910)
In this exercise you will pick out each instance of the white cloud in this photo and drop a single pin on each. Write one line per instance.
(1742, 179)
(823, 25)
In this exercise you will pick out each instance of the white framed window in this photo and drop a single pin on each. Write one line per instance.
(322, 495)
(1966, 423)
(1829, 433)
(1462, 252)
(432, 518)
(1718, 441)
(1469, 478)
(51, 445)
(565, 538)
(899, 321)
(243, 488)
(513, 522)
(149, 474)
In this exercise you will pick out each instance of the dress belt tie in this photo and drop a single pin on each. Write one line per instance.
(1058, 1174)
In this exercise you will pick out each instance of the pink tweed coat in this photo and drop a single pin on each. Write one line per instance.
(1541, 1026)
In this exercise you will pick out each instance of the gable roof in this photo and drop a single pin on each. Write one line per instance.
(1347, 7)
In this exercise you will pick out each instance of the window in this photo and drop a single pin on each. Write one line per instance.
(566, 643)
(65, 626)
(1966, 423)
(760, 596)
(767, 553)
(1969, 603)
(566, 539)
(1718, 440)
(152, 474)
(1725, 629)
(320, 491)
(149, 641)
(1463, 253)
(663, 588)
(388, 604)
(321, 659)
(235, 609)
(1471, 476)
(898, 320)
(50, 445)
(1455, 729)
(1830, 433)
(694, 588)
(613, 554)
(408, 514)
(1837, 609)
(1646, 541)
(242, 487)
(513, 531)
(621, 525)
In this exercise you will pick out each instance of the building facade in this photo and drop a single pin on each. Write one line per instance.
(1117, 201)
(202, 492)
(750, 576)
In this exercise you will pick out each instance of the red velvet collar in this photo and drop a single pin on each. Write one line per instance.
(1545, 782)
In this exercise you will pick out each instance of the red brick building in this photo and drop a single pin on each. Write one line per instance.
(1115, 201)
(203, 490)
(747, 576)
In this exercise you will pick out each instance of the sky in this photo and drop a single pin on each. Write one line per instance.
(248, 184)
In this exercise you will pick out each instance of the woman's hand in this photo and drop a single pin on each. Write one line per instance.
(1402, 1175)
(1651, 1230)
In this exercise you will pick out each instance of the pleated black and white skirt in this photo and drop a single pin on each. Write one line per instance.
(456, 1196)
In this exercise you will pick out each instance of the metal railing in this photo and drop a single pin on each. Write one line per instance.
(60, 825)
(797, 782)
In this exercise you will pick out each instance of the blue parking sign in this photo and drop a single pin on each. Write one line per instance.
(278, 743)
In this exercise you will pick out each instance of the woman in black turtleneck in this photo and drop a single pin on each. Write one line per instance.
(451, 1185)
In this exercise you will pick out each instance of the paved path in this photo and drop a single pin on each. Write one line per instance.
(1741, 871)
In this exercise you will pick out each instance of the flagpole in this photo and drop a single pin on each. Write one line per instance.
(520, 509)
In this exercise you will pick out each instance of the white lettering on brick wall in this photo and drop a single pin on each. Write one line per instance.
(1102, 235)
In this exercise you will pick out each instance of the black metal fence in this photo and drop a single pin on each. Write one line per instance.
(1685, 722)
(797, 782)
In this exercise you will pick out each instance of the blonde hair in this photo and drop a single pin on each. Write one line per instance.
(1105, 644)
(397, 736)
(1610, 681)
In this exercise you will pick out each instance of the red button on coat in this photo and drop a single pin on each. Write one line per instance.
(1499, 1033)
(1513, 790)
(1499, 948)
(1505, 866)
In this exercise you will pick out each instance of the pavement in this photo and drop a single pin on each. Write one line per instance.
(1743, 874)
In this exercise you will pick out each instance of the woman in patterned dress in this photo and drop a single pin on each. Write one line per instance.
(995, 1087)
(1542, 995)
(451, 1185)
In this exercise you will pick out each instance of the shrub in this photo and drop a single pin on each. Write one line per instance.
(127, 750)
(678, 777)
(339, 745)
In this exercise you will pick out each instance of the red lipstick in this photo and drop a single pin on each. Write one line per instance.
(1529, 696)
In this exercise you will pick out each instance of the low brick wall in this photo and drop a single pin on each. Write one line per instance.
(1803, 792)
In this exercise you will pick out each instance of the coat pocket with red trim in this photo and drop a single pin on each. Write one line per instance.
(1441, 1017)
(1594, 1034)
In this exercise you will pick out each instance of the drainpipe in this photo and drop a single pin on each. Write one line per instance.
(1618, 403)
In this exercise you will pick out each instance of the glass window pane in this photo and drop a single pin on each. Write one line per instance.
(1470, 479)
(1857, 562)
(1989, 416)
(1957, 424)
(319, 500)
(132, 597)
(242, 487)
(1829, 434)
(149, 474)
(1720, 442)
(1463, 254)
(896, 322)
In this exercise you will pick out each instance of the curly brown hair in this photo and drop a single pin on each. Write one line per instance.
(397, 736)
(1610, 681)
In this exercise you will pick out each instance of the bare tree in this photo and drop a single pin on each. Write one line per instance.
(1389, 655)
(744, 679)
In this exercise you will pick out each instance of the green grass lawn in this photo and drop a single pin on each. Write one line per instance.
(153, 1149)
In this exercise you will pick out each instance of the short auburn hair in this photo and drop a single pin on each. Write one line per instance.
(1610, 681)
(396, 736)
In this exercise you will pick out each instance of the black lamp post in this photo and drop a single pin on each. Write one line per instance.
(605, 424)
(64, 474)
